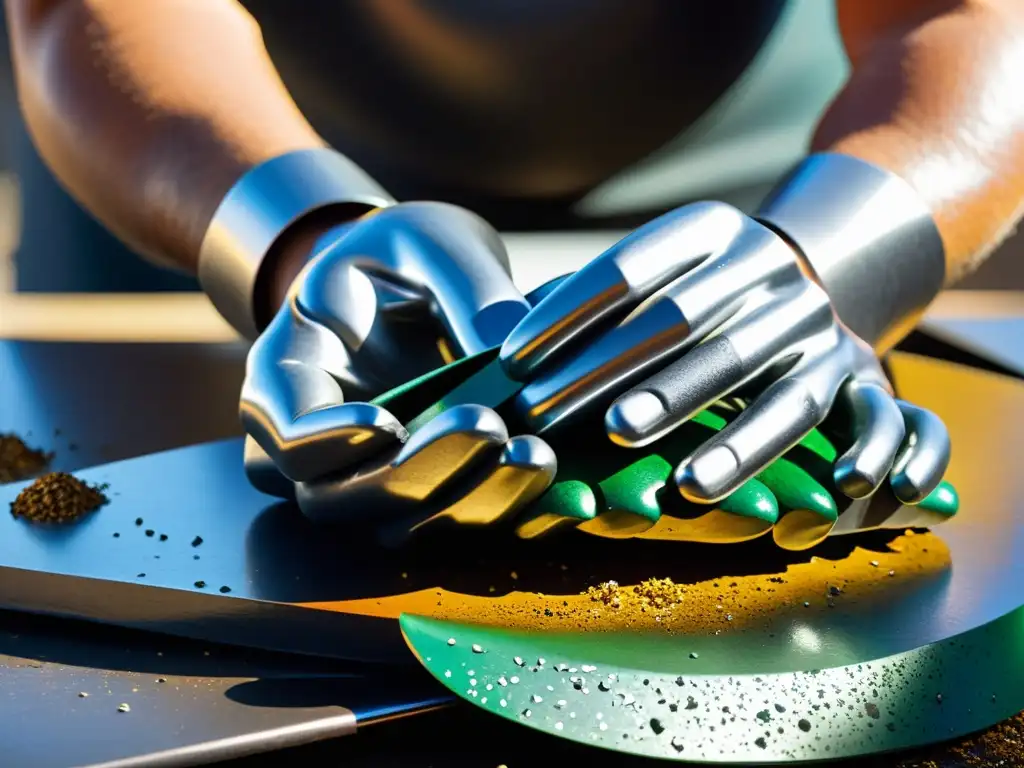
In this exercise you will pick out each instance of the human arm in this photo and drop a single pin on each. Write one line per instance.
(934, 96)
(167, 120)
(149, 112)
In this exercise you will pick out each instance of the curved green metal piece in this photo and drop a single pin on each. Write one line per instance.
(616, 492)
(658, 701)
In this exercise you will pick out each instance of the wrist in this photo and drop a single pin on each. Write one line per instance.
(867, 237)
(293, 250)
(265, 227)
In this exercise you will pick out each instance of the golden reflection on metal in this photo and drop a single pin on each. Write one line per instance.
(424, 472)
(493, 499)
(650, 348)
(801, 529)
(616, 524)
(604, 298)
(543, 524)
(445, 351)
(716, 526)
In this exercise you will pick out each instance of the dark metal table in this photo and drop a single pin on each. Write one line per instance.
(93, 403)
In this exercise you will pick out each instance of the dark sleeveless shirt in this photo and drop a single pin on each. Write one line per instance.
(512, 108)
(506, 105)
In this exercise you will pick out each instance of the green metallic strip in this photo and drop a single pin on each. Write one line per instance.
(489, 387)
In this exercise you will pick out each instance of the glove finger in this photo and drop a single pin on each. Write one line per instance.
(923, 457)
(447, 447)
(712, 370)
(524, 470)
(690, 309)
(878, 429)
(447, 254)
(617, 281)
(770, 426)
(293, 406)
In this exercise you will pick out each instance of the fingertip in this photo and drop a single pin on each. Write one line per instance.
(924, 458)
(853, 481)
(531, 452)
(373, 416)
(709, 476)
(635, 419)
(476, 420)
(914, 486)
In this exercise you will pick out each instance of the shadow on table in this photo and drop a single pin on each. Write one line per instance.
(346, 564)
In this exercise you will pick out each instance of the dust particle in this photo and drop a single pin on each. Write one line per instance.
(1000, 745)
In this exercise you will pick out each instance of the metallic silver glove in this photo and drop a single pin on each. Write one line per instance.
(377, 306)
(705, 301)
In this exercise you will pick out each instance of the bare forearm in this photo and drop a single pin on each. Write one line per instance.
(149, 111)
(935, 97)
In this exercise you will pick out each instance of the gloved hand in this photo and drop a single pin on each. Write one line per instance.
(702, 303)
(383, 301)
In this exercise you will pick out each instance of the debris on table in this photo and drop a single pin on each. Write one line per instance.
(20, 462)
(58, 497)
(1001, 745)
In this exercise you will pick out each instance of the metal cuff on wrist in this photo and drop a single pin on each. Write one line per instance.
(262, 205)
(867, 236)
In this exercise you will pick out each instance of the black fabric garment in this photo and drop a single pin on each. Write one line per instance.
(514, 108)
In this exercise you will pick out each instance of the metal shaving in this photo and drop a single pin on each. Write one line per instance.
(57, 497)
